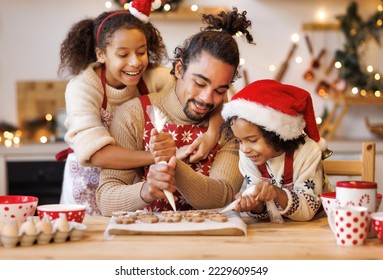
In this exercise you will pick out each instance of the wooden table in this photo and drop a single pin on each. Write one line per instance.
(264, 241)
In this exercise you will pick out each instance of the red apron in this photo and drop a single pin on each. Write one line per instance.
(182, 135)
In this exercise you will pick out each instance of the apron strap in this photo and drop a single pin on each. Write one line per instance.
(142, 88)
(103, 82)
(287, 172)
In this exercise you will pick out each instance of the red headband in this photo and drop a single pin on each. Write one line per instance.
(102, 23)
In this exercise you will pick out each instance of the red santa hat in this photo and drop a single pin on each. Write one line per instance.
(284, 109)
(141, 8)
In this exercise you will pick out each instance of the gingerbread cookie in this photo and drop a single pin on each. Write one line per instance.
(218, 217)
(149, 219)
(126, 219)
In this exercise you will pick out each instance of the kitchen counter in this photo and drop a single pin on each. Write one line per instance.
(312, 240)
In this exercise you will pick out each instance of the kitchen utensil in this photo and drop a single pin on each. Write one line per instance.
(158, 119)
(232, 205)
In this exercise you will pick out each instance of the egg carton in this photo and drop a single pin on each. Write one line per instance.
(43, 231)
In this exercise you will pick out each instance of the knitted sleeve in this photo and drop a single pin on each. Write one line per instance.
(120, 189)
(223, 182)
(83, 99)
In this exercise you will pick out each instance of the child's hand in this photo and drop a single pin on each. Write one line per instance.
(162, 146)
(246, 202)
(265, 191)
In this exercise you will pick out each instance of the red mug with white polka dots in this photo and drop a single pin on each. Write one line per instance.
(349, 225)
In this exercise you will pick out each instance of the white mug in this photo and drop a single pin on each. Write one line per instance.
(358, 193)
(349, 225)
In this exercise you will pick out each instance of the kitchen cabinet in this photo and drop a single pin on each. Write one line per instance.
(32, 169)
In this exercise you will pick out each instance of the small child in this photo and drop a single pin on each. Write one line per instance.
(280, 149)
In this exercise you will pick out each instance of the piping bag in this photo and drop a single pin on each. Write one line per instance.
(158, 119)
(272, 210)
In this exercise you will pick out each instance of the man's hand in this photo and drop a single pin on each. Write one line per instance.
(160, 177)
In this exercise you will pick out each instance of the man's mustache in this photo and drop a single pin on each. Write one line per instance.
(203, 104)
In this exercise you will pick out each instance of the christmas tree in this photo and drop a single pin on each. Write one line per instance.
(357, 32)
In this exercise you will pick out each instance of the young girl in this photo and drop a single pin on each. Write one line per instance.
(280, 149)
(113, 58)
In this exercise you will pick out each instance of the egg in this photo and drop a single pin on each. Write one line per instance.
(44, 225)
(10, 229)
(61, 223)
(28, 227)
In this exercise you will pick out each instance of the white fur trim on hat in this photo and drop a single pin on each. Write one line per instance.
(287, 127)
(156, 4)
(322, 144)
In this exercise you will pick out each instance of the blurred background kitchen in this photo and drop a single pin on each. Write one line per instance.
(297, 42)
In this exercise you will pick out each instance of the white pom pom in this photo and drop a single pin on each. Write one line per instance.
(322, 144)
(156, 4)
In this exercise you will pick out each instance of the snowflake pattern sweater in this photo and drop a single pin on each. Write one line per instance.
(309, 180)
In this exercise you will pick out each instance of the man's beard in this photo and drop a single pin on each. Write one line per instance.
(195, 116)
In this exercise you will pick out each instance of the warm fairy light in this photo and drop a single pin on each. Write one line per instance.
(194, 7)
(380, 8)
(16, 140)
(363, 92)
(272, 68)
(8, 143)
(355, 90)
(321, 15)
(377, 93)
(298, 59)
(48, 117)
(295, 37)
(379, 22)
(318, 120)
(43, 139)
(338, 65)
(108, 4)
(377, 76)
(8, 135)
(167, 7)
(370, 68)
(242, 61)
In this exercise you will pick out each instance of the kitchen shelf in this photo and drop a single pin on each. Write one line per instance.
(342, 102)
(321, 26)
(184, 13)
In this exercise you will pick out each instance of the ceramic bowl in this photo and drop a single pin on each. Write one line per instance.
(377, 222)
(17, 207)
(74, 213)
(328, 201)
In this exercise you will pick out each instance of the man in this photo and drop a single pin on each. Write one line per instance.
(204, 69)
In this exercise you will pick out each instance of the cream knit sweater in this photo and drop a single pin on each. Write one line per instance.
(120, 189)
(83, 96)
